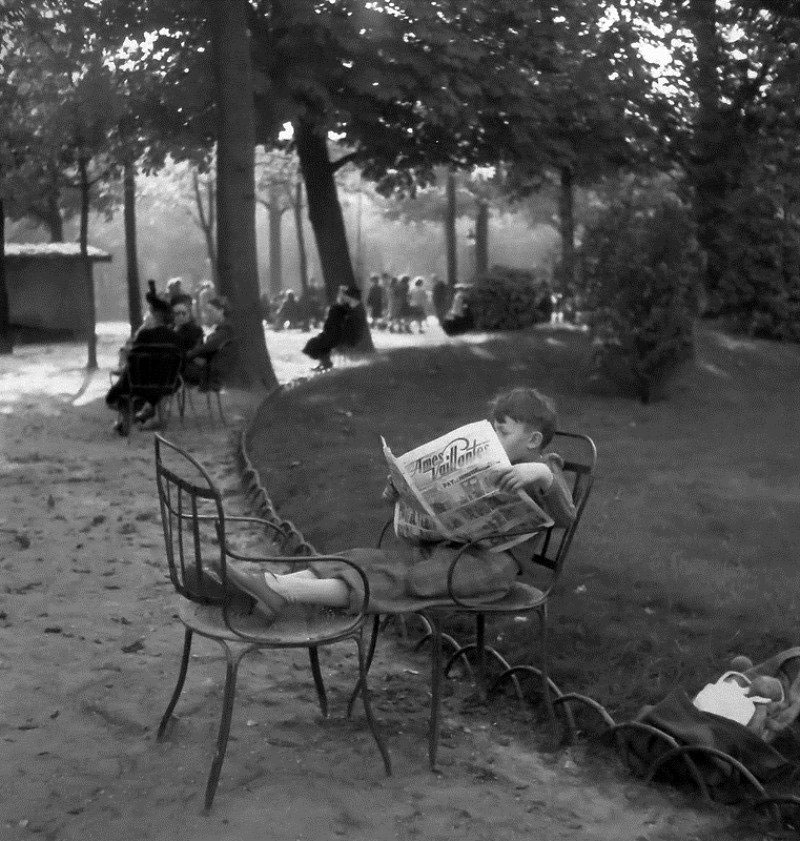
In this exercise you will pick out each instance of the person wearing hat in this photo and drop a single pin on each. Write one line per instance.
(155, 331)
(343, 327)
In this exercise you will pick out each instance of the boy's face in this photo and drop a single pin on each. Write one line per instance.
(519, 439)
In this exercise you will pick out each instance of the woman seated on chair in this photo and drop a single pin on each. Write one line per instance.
(525, 421)
(343, 328)
(203, 365)
(158, 333)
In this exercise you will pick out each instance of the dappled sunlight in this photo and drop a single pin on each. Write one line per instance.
(734, 343)
(711, 368)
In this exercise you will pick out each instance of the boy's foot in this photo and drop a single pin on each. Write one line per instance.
(255, 585)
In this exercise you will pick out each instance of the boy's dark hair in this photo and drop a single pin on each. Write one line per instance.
(527, 405)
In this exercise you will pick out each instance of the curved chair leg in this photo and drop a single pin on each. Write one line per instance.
(221, 412)
(365, 697)
(548, 701)
(187, 646)
(373, 641)
(313, 656)
(436, 681)
(232, 668)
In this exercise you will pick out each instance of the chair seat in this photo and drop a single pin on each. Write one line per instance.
(298, 625)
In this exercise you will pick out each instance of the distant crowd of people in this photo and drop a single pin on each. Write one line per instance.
(396, 303)
(174, 322)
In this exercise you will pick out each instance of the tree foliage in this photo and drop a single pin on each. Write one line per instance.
(639, 276)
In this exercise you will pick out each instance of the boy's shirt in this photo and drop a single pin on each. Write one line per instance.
(557, 499)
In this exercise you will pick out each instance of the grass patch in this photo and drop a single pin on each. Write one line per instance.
(687, 550)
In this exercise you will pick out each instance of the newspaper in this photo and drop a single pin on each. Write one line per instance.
(448, 491)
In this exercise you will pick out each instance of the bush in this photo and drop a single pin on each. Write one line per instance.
(759, 286)
(640, 273)
(510, 299)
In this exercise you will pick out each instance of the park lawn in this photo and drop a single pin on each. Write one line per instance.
(687, 551)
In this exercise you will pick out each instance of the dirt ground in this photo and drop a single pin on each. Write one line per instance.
(89, 648)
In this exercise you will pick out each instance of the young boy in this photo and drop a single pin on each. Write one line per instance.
(524, 420)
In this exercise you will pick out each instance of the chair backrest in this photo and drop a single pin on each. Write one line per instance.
(194, 522)
(580, 456)
(154, 369)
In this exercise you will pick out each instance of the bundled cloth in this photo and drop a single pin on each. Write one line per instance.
(742, 714)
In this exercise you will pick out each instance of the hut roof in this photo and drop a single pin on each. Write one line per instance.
(52, 250)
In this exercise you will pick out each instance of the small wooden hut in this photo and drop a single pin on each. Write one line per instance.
(47, 290)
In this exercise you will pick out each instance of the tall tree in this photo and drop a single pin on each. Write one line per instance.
(236, 241)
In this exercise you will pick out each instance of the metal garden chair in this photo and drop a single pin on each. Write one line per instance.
(539, 575)
(153, 374)
(208, 386)
(196, 530)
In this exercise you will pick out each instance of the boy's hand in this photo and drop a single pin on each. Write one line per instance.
(390, 494)
(525, 475)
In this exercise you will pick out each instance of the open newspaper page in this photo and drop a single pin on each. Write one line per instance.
(448, 491)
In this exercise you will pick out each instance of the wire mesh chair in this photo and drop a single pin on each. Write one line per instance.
(530, 594)
(208, 385)
(196, 536)
(153, 374)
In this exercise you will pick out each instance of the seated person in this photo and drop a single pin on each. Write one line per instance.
(203, 365)
(525, 421)
(289, 312)
(155, 330)
(344, 327)
(459, 318)
(188, 332)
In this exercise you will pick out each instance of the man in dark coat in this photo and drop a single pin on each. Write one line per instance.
(205, 364)
(187, 330)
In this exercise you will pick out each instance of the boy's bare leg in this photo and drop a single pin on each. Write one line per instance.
(274, 592)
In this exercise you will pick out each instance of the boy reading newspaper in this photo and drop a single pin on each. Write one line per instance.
(465, 490)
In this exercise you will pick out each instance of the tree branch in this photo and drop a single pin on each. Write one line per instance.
(346, 159)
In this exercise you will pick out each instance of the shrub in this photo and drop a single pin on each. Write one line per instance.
(510, 299)
(640, 272)
(759, 286)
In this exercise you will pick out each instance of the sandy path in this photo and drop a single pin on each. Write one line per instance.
(89, 650)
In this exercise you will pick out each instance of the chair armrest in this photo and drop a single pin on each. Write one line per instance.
(477, 603)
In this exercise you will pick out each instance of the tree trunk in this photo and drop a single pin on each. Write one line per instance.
(275, 214)
(6, 339)
(566, 202)
(55, 221)
(482, 239)
(324, 210)
(205, 219)
(451, 212)
(301, 237)
(236, 225)
(91, 332)
(131, 255)
(707, 170)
